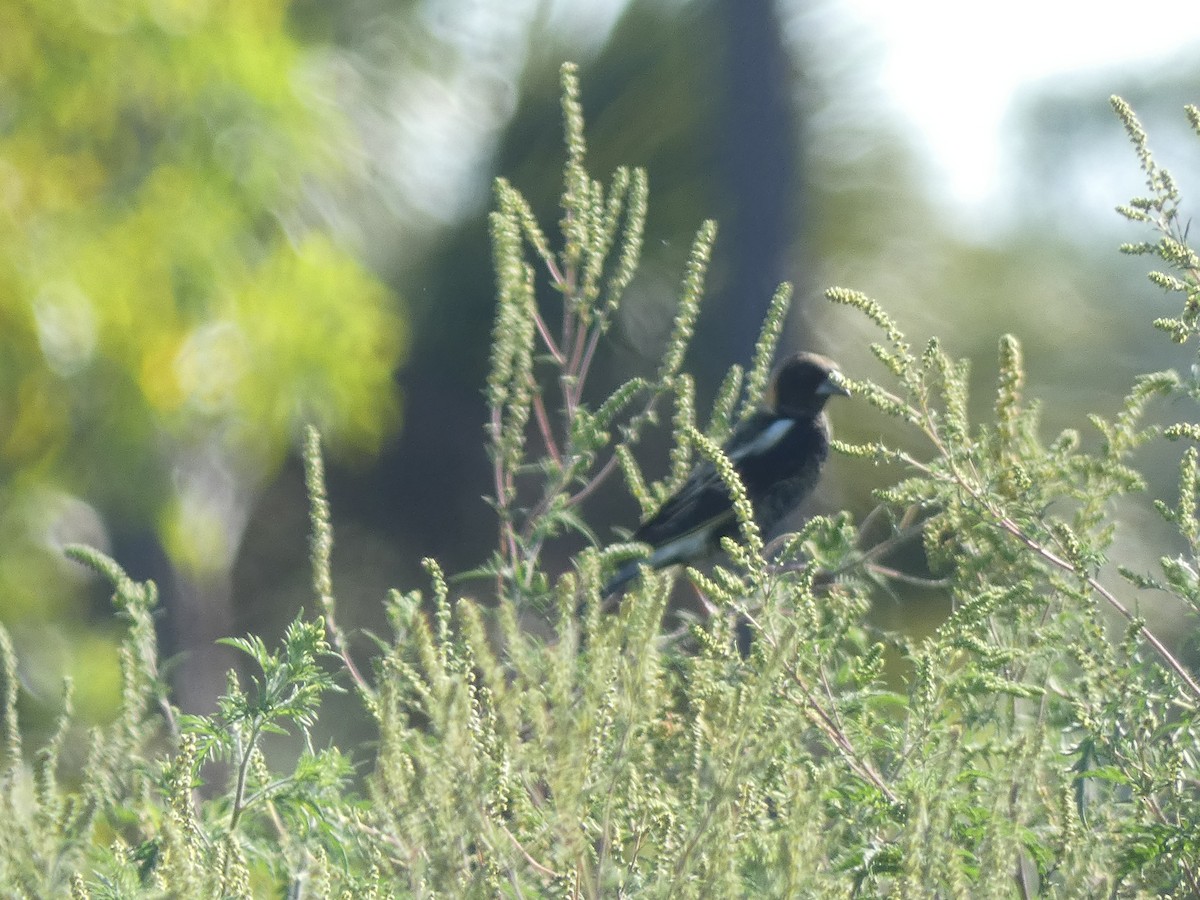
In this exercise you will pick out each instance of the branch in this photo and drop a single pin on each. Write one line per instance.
(1175, 665)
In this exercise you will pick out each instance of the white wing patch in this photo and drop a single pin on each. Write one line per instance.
(770, 436)
(686, 547)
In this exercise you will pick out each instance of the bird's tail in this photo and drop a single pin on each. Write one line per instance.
(626, 573)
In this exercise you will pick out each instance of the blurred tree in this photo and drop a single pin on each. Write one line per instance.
(173, 308)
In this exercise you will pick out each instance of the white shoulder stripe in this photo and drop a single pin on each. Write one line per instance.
(681, 549)
(768, 438)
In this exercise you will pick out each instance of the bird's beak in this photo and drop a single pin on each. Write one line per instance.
(833, 384)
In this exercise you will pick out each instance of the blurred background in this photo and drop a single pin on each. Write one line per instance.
(223, 220)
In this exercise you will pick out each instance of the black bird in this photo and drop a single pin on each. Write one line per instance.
(778, 452)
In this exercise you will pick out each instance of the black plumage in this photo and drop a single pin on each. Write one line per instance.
(778, 452)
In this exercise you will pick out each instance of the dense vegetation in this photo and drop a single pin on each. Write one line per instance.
(1043, 740)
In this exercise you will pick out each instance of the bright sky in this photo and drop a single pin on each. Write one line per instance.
(952, 67)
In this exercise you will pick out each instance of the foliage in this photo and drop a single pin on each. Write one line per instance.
(1043, 740)
(170, 302)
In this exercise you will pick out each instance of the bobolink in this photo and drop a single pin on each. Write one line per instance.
(777, 451)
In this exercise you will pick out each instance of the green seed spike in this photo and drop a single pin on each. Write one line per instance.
(764, 350)
(689, 301)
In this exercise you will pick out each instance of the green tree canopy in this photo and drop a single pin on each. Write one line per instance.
(173, 307)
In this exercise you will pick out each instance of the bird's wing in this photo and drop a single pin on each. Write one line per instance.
(703, 502)
(700, 505)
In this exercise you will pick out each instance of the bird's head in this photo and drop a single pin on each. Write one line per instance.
(801, 384)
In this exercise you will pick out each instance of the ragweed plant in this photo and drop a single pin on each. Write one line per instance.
(1043, 740)
(549, 450)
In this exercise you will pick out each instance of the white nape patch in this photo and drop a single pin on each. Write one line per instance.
(769, 437)
(689, 546)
